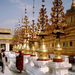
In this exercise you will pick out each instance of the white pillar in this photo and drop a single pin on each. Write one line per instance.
(65, 58)
(7, 46)
(39, 68)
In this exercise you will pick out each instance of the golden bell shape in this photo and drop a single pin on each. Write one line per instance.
(33, 50)
(43, 52)
(16, 48)
(36, 46)
(57, 52)
(27, 48)
(20, 47)
(13, 48)
(23, 46)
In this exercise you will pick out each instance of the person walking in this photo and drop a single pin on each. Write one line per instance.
(19, 62)
(3, 59)
(1, 63)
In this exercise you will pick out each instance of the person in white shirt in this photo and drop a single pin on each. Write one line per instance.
(3, 59)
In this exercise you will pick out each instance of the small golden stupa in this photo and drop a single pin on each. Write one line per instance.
(58, 25)
(26, 34)
(42, 22)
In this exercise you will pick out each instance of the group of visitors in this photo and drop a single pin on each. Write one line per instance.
(2, 59)
(19, 60)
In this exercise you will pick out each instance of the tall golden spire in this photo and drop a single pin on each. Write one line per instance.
(73, 4)
(43, 51)
(26, 35)
(33, 50)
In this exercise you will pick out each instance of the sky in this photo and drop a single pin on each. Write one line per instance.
(12, 10)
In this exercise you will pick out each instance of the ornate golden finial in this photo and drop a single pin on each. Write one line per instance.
(19, 21)
(43, 0)
(22, 19)
(26, 18)
(25, 9)
(73, 3)
(33, 9)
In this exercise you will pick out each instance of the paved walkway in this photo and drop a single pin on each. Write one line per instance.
(14, 71)
(7, 71)
(71, 72)
(11, 71)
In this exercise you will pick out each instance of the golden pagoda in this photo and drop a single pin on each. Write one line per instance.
(67, 42)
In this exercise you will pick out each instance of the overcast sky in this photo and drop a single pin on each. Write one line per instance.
(12, 10)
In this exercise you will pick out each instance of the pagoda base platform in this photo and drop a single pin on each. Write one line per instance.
(39, 68)
(12, 59)
(58, 68)
(26, 57)
(30, 63)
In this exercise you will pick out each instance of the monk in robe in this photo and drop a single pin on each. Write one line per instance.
(19, 61)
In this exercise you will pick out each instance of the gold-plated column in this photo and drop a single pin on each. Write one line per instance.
(20, 47)
(17, 48)
(57, 51)
(23, 46)
(13, 48)
(33, 50)
(43, 52)
(36, 46)
(27, 48)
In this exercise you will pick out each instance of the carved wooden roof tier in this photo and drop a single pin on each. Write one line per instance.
(5, 31)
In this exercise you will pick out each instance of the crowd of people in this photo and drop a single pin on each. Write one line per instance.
(2, 59)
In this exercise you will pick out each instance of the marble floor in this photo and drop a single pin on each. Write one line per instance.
(71, 72)
(14, 71)
(11, 71)
(6, 72)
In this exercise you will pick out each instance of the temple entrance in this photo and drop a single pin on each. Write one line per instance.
(2, 46)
